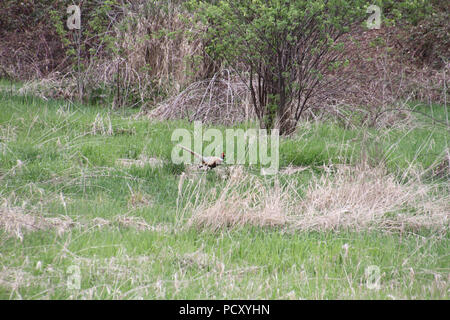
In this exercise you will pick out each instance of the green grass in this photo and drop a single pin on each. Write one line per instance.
(67, 170)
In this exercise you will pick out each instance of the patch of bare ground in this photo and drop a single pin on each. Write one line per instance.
(345, 198)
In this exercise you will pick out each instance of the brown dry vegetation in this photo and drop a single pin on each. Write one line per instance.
(15, 222)
(152, 55)
(222, 99)
(116, 215)
(159, 63)
(382, 69)
(346, 199)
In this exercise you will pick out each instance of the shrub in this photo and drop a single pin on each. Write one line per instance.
(283, 49)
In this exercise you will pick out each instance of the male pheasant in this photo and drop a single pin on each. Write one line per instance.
(210, 162)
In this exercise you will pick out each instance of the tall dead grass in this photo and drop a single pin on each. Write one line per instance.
(222, 99)
(356, 198)
(346, 198)
(154, 53)
(245, 199)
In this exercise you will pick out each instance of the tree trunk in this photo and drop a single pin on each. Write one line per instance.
(287, 126)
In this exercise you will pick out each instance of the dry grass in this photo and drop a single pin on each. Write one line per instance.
(141, 162)
(380, 74)
(15, 222)
(222, 99)
(137, 223)
(155, 50)
(8, 133)
(102, 126)
(53, 85)
(127, 221)
(244, 200)
(125, 277)
(154, 59)
(370, 198)
(345, 198)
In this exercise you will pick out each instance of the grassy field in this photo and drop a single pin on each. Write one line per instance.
(90, 191)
